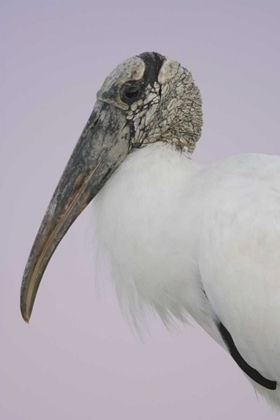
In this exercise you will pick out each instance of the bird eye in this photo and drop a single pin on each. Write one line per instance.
(131, 92)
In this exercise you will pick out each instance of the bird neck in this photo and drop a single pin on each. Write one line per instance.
(145, 227)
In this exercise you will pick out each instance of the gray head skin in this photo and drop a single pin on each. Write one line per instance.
(168, 106)
(147, 98)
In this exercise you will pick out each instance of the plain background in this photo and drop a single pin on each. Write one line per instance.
(78, 358)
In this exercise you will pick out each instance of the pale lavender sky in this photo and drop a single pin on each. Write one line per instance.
(78, 358)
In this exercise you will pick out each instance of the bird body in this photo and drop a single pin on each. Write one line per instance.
(183, 239)
(174, 237)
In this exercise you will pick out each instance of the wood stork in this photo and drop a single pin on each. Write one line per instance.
(179, 238)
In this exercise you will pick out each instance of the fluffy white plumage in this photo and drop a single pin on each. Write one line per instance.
(171, 228)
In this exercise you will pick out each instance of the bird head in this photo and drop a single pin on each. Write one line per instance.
(159, 99)
(147, 98)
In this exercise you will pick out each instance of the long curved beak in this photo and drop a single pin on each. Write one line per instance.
(103, 145)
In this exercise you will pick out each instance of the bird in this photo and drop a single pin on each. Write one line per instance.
(177, 238)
